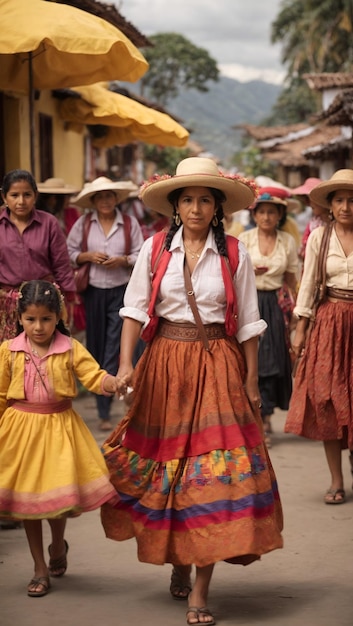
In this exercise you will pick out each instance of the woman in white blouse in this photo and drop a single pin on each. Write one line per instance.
(275, 261)
(113, 244)
(322, 403)
(189, 463)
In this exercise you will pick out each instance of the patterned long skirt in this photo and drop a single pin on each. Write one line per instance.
(321, 407)
(188, 461)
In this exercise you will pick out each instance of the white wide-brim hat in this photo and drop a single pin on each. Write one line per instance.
(57, 186)
(239, 192)
(121, 188)
(342, 179)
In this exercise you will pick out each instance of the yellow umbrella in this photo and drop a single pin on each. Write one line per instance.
(46, 45)
(68, 47)
(126, 119)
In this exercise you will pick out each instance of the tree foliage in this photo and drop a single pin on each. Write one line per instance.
(176, 63)
(316, 37)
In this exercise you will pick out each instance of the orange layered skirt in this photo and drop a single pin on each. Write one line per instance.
(188, 461)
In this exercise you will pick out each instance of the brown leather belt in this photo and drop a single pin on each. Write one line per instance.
(343, 295)
(189, 332)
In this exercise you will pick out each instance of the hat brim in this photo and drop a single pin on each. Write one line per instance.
(64, 191)
(85, 200)
(238, 195)
(319, 194)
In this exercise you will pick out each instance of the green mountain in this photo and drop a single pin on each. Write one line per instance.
(211, 116)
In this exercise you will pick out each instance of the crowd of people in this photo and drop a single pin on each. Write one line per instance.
(205, 326)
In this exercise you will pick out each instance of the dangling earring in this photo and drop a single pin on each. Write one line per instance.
(330, 214)
(177, 219)
(215, 220)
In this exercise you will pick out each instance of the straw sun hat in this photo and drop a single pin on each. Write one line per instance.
(239, 192)
(56, 186)
(342, 179)
(121, 188)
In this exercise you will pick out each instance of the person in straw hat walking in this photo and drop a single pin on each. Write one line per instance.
(189, 463)
(113, 244)
(321, 406)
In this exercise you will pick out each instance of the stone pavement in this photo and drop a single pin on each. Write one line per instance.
(308, 583)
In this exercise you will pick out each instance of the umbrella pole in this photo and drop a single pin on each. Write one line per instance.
(31, 115)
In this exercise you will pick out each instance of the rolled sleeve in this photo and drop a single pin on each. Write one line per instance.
(249, 322)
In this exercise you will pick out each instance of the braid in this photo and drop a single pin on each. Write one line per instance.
(218, 232)
(171, 232)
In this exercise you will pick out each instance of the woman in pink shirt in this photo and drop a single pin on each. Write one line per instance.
(32, 246)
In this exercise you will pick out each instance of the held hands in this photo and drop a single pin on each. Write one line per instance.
(124, 381)
(109, 384)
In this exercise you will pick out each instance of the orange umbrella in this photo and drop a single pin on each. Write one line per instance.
(126, 119)
(46, 45)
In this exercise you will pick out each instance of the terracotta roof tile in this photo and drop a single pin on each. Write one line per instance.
(110, 13)
(329, 80)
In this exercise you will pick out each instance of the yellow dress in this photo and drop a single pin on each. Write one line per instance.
(50, 464)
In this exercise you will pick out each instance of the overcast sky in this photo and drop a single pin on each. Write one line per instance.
(236, 33)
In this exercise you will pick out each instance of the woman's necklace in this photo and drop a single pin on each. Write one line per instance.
(195, 254)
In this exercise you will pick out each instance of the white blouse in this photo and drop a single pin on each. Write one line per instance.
(339, 270)
(207, 281)
(283, 258)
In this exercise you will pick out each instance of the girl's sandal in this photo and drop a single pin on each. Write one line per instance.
(58, 567)
(40, 587)
(180, 586)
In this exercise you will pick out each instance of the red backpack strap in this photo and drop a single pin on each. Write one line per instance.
(229, 267)
(85, 231)
(127, 233)
(160, 258)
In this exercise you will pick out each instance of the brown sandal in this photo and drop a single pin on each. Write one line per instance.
(58, 567)
(180, 586)
(200, 611)
(335, 496)
(43, 582)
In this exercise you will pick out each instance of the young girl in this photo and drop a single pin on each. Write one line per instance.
(50, 464)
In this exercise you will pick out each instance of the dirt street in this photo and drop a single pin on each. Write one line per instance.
(308, 583)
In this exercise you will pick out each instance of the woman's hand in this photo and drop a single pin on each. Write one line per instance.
(253, 393)
(116, 261)
(99, 258)
(124, 379)
(298, 343)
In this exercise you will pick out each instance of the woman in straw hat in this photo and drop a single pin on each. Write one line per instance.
(189, 462)
(274, 257)
(321, 407)
(113, 244)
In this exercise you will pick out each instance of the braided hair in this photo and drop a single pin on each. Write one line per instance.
(220, 239)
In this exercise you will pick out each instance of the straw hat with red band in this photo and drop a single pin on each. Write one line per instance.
(342, 179)
(239, 192)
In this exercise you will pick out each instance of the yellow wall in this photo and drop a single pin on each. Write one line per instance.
(68, 145)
